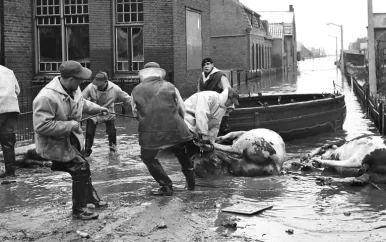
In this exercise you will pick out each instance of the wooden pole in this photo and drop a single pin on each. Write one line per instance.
(341, 53)
(371, 49)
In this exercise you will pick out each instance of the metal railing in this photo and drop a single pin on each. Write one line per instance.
(28, 92)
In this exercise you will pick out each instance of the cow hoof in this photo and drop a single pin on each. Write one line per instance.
(317, 163)
(322, 181)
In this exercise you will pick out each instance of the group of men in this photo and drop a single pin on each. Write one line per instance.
(165, 121)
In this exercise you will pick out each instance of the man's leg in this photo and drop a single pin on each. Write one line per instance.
(90, 133)
(112, 135)
(157, 172)
(183, 152)
(79, 169)
(8, 123)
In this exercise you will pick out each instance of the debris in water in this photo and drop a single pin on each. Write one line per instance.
(347, 213)
(289, 231)
(7, 182)
(83, 234)
(162, 225)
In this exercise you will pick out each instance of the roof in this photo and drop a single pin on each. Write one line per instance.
(379, 20)
(287, 18)
(276, 30)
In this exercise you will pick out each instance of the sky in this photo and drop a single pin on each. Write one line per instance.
(312, 16)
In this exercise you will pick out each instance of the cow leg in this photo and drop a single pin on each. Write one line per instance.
(226, 148)
(354, 181)
(230, 136)
(349, 163)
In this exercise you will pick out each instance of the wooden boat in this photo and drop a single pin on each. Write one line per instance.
(291, 115)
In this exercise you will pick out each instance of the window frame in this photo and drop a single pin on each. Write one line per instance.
(129, 25)
(59, 20)
(198, 62)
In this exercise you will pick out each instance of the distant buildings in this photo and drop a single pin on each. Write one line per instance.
(287, 20)
(119, 36)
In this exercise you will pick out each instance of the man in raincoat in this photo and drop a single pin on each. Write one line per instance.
(104, 93)
(212, 79)
(160, 111)
(205, 110)
(9, 111)
(57, 111)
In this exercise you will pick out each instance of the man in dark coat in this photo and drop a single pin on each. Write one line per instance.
(160, 111)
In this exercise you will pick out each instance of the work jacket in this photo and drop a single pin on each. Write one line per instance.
(204, 111)
(53, 108)
(106, 99)
(9, 90)
(155, 103)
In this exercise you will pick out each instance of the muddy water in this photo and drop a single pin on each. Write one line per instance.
(312, 211)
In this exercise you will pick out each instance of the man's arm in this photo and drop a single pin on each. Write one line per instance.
(224, 83)
(202, 114)
(134, 107)
(180, 103)
(92, 108)
(123, 96)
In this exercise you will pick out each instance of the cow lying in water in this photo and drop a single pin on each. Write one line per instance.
(257, 152)
(361, 160)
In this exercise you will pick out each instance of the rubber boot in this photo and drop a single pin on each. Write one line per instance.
(79, 204)
(88, 145)
(113, 142)
(190, 180)
(159, 174)
(8, 146)
(92, 196)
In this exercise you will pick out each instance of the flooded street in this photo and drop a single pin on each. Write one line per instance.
(40, 201)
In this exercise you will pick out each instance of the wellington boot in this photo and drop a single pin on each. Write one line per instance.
(8, 146)
(84, 214)
(163, 191)
(190, 180)
(93, 198)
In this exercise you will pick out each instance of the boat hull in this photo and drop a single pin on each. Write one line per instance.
(297, 115)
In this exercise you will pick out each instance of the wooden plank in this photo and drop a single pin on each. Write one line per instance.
(246, 209)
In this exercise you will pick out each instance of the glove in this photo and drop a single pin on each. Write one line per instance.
(104, 111)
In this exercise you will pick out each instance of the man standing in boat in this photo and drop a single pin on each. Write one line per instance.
(212, 79)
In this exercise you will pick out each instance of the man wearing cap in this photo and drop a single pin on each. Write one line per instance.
(212, 79)
(57, 110)
(9, 111)
(104, 93)
(205, 110)
(160, 111)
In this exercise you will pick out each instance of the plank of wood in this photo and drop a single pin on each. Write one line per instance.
(246, 209)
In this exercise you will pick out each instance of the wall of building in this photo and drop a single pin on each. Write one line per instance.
(277, 53)
(186, 80)
(230, 52)
(382, 43)
(101, 36)
(1, 33)
(18, 38)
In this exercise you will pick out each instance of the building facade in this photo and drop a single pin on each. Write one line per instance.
(117, 36)
(380, 36)
(287, 20)
(239, 39)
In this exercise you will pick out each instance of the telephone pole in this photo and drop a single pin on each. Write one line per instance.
(371, 49)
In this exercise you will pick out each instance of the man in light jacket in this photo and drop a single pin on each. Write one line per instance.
(9, 111)
(104, 93)
(205, 110)
(57, 110)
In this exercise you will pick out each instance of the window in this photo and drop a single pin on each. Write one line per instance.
(129, 52)
(193, 39)
(60, 40)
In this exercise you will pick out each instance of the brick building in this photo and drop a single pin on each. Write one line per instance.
(287, 20)
(380, 36)
(117, 36)
(239, 39)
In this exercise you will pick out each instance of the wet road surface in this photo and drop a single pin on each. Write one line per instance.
(332, 213)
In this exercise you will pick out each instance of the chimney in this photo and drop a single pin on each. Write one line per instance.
(291, 8)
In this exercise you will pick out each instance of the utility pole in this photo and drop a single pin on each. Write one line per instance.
(371, 48)
(341, 46)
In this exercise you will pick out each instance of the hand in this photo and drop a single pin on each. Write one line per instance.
(74, 125)
(104, 111)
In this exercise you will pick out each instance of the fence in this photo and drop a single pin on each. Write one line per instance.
(24, 131)
(374, 107)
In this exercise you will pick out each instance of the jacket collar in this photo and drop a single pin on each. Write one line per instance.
(214, 70)
(57, 87)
